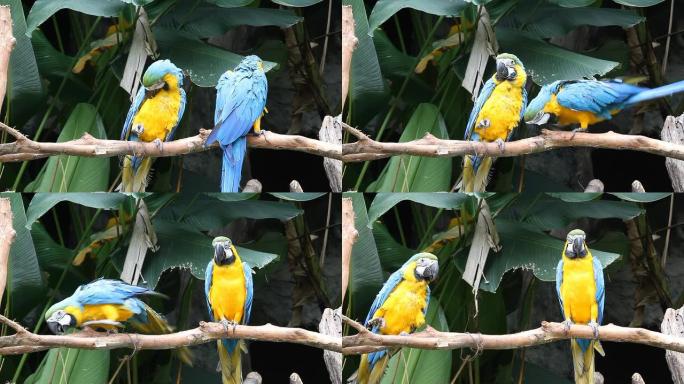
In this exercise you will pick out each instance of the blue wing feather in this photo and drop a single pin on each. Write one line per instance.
(135, 106)
(485, 92)
(559, 282)
(598, 97)
(600, 288)
(108, 291)
(208, 275)
(249, 287)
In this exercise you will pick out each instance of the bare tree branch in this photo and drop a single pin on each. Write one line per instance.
(24, 341)
(26, 149)
(349, 237)
(366, 341)
(368, 149)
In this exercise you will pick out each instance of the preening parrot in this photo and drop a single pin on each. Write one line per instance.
(154, 116)
(399, 308)
(581, 293)
(587, 102)
(108, 304)
(497, 112)
(228, 288)
(240, 104)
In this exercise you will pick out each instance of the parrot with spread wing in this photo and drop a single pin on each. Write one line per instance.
(154, 116)
(228, 288)
(581, 293)
(498, 110)
(110, 304)
(586, 102)
(398, 309)
(240, 104)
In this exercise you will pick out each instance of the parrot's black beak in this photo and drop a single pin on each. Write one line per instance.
(504, 71)
(59, 322)
(540, 118)
(223, 255)
(154, 88)
(428, 271)
(578, 245)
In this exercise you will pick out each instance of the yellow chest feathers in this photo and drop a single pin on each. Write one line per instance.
(227, 293)
(403, 308)
(500, 114)
(578, 289)
(113, 312)
(159, 115)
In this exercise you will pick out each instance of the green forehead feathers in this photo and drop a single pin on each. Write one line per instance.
(510, 56)
(577, 232)
(219, 239)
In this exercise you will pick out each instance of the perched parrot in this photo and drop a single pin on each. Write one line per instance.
(587, 102)
(154, 115)
(581, 292)
(240, 104)
(228, 288)
(108, 304)
(399, 308)
(497, 112)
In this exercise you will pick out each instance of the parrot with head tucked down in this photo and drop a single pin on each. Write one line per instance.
(240, 104)
(228, 288)
(581, 293)
(108, 304)
(398, 309)
(154, 116)
(586, 102)
(497, 112)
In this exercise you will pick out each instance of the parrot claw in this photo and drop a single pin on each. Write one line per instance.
(227, 324)
(404, 334)
(378, 321)
(501, 144)
(594, 327)
(578, 129)
(567, 324)
(138, 129)
(257, 133)
(158, 143)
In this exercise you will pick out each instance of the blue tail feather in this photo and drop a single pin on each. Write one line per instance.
(233, 156)
(665, 90)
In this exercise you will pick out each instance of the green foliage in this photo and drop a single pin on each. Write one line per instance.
(530, 229)
(417, 173)
(64, 365)
(75, 173)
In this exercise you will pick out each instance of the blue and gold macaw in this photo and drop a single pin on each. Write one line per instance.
(154, 116)
(496, 113)
(581, 292)
(399, 308)
(228, 288)
(587, 102)
(240, 104)
(109, 304)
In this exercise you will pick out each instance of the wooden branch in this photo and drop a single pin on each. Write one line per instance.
(368, 149)
(349, 43)
(26, 149)
(366, 341)
(349, 237)
(7, 236)
(7, 43)
(24, 341)
(673, 132)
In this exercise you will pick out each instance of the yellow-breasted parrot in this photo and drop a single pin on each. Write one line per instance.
(399, 308)
(240, 104)
(497, 112)
(587, 102)
(110, 304)
(154, 116)
(581, 293)
(228, 288)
